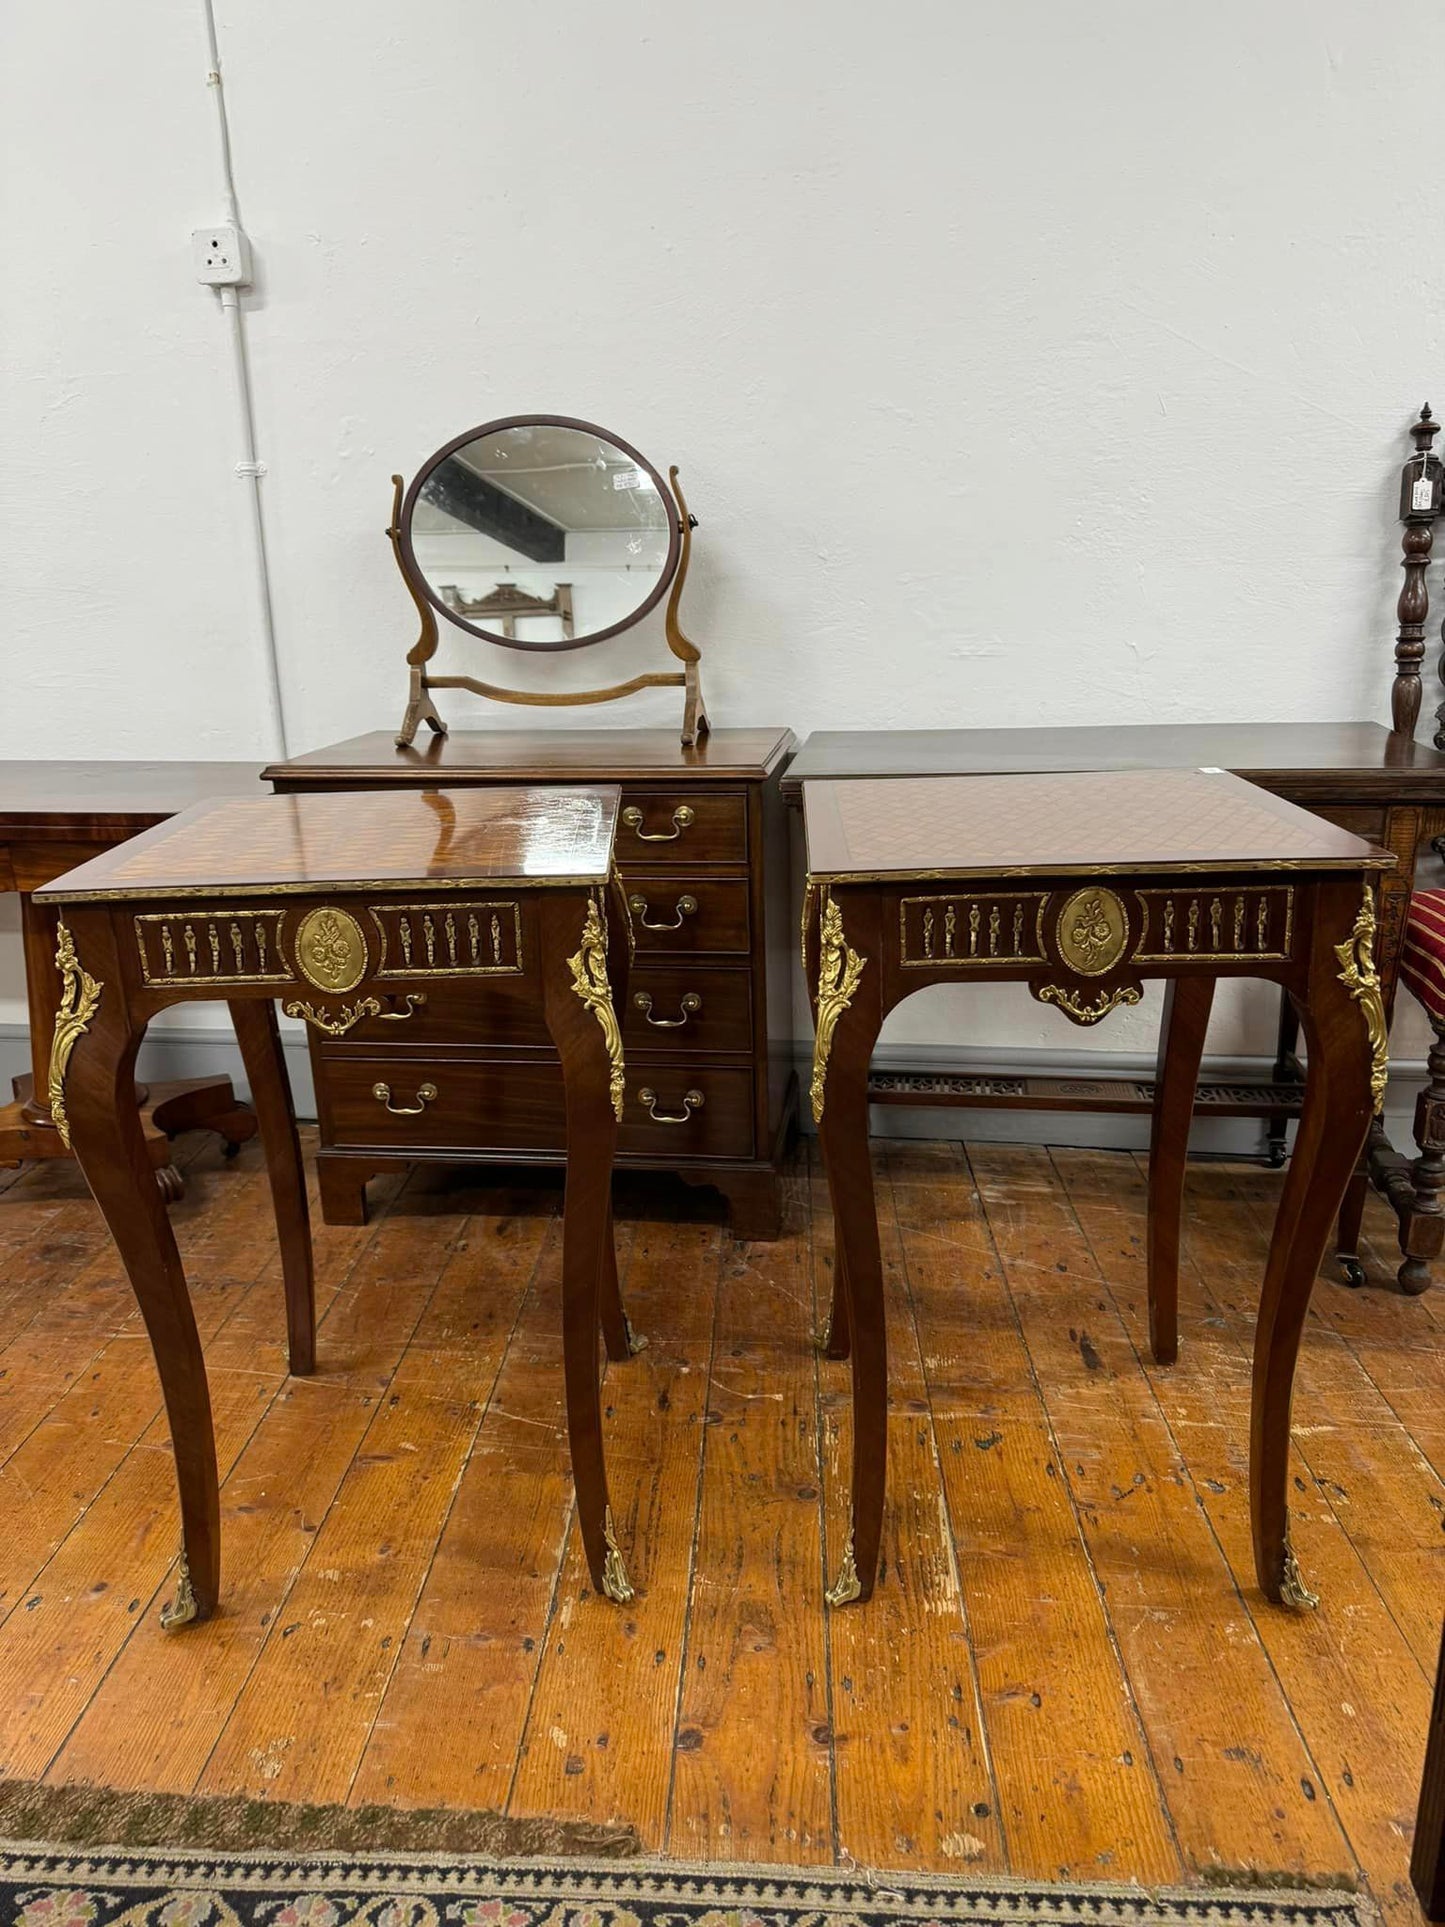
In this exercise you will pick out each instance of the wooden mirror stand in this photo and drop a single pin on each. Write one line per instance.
(421, 708)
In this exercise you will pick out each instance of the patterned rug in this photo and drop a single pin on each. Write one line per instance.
(159, 1887)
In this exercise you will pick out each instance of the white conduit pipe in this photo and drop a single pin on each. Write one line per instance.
(250, 468)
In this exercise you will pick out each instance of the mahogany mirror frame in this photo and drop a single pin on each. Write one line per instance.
(417, 580)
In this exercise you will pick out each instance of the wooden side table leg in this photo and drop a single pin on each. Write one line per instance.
(617, 1333)
(1187, 1003)
(581, 1017)
(835, 1340)
(848, 1016)
(110, 1147)
(1337, 1110)
(260, 1041)
(1347, 1230)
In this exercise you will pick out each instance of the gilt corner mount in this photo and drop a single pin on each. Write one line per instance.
(542, 533)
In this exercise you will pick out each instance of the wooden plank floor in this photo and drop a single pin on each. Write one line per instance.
(1066, 1669)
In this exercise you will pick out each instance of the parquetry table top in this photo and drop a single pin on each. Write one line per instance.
(1089, 822)
(293, 843)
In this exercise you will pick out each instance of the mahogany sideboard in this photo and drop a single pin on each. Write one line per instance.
(1385, 787)
(702, 848)
(54, 816)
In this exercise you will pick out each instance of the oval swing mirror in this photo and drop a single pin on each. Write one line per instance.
(540, 533)
(546, 534)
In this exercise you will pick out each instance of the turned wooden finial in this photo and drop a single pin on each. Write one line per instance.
(1419, 507)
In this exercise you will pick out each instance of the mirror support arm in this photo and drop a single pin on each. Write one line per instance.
(694, 711)
(420, 706)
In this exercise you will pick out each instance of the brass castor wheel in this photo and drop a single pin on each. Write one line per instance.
(230, 1149)
(172, 1185)
(1277, 1156)
(1352, 1271)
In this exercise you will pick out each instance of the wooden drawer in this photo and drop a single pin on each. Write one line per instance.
(668, 1125)
(714, 1006)
(669, 827)
(474, 1011)
(476, 1104)
(477, 1015)
(482, 1105)
(689, 913)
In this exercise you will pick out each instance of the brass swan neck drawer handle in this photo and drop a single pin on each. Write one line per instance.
(425, 1094)
(686, 907)
(692, 1101)
(682, 817)
(412, 1003)
(690, 1005)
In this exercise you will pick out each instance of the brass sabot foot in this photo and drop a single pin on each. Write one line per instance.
(615, 1582)
(181, 1610)
(846, 1587)
(1292, 1589)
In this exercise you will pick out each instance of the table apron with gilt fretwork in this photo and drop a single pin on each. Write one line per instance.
(1085, 947)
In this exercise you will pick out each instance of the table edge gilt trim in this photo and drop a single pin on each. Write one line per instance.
(340, 886)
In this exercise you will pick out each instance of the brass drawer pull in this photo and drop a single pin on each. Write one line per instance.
(692, 1101)
(690, 1005)
(686, 907)
(414, 1001)
(682, 817)
(425, 1094)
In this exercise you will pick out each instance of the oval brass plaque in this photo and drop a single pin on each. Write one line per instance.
(330, 949)
(1093, 931)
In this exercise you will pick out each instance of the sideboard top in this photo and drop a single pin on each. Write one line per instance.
(535, 756)
(1338, 762)
(377, 839)
(101, 802)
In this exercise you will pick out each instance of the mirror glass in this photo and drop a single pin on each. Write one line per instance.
(540, 533)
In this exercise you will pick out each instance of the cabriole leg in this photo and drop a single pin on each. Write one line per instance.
(1337, 1110)
(848, 1016)
(581, 1016)
(617, 1333)
(1187, 1002)
(99, 1100)
(260, 1041)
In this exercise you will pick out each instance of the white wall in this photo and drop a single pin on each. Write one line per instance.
(1025, 363)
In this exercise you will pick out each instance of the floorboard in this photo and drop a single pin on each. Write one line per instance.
(1066, 1667)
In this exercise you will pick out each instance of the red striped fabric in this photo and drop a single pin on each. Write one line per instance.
(1422, 956)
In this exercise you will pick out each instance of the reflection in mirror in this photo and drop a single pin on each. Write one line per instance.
(541, 535)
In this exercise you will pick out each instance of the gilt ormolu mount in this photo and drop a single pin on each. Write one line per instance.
(545, 534)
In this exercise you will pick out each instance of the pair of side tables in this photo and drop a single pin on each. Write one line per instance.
(1082, 886)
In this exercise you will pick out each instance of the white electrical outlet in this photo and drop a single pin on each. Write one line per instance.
(222, 256)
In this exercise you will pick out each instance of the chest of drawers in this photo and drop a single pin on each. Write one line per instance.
(467, 1075)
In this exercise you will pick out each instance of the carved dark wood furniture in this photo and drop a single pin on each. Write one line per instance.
(1083, 886)
(349, 910)
(53, 816)
(1420, 494)
(702, 848)
(1359, 776)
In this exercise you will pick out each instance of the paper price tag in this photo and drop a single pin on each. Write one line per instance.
(629, 478)
(1422, 496)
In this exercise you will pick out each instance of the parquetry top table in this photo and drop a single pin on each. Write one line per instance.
(343, 907)
(1081, 886)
